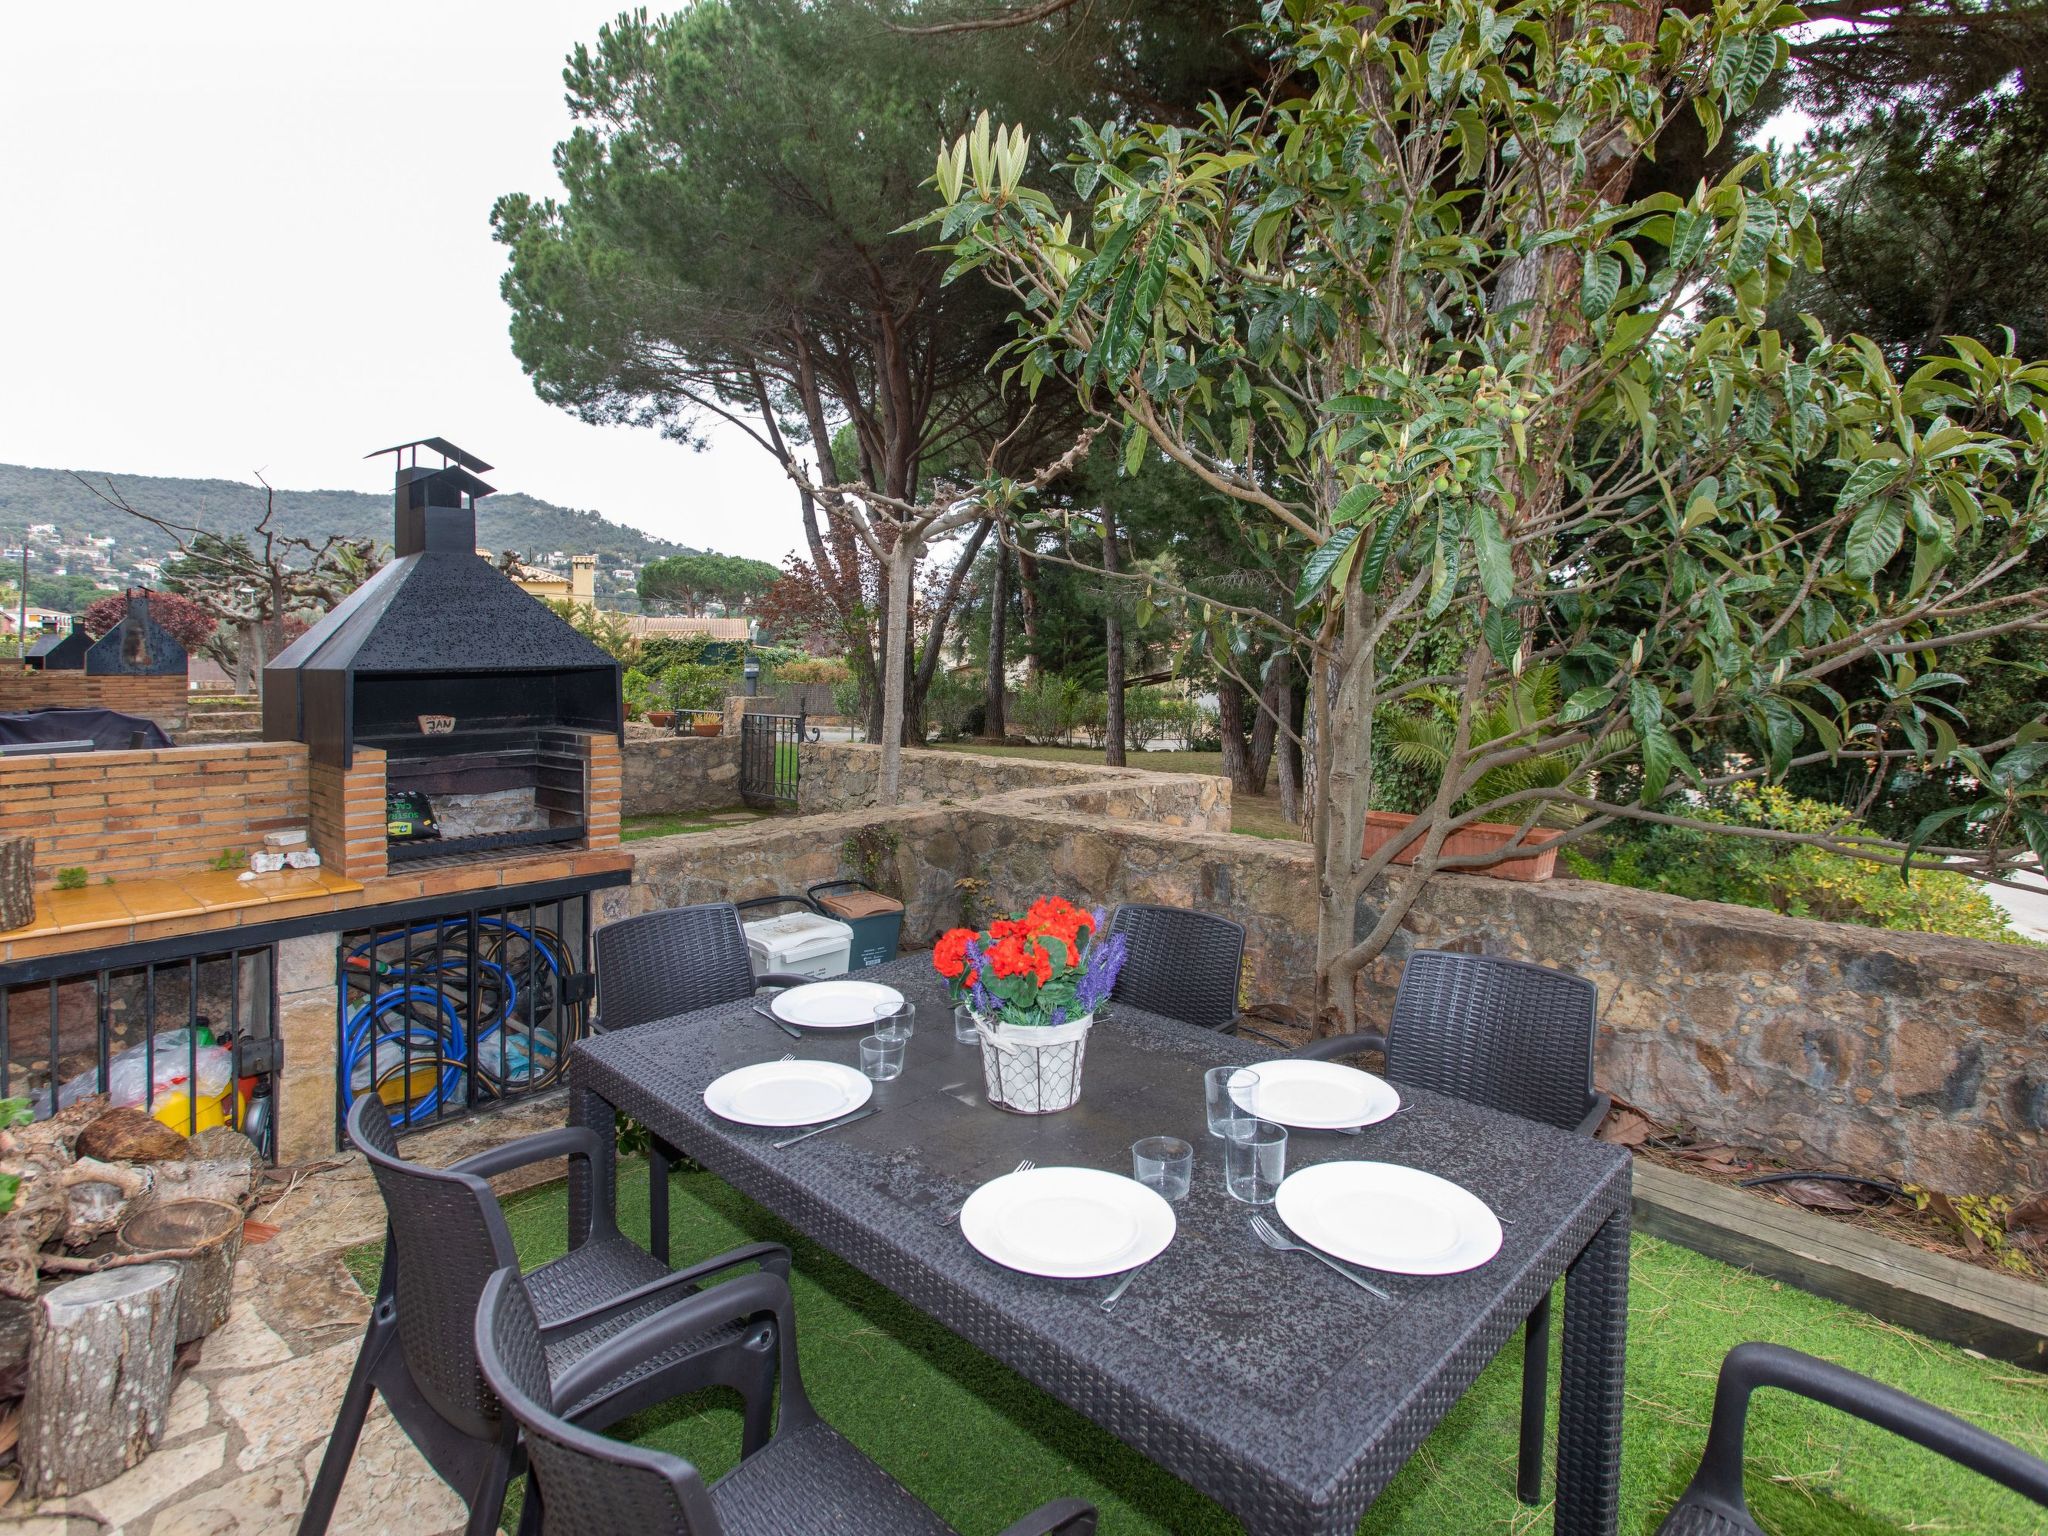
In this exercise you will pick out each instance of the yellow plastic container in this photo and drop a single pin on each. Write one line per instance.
(175, 1110)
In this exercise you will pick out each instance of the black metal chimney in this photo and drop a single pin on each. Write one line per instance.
(435, 508)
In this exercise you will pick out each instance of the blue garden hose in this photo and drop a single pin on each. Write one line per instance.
(360, 1040)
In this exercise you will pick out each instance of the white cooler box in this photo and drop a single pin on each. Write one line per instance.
(800, 944)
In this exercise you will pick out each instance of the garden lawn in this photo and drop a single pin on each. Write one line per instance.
(1253, 815)
(983, 1446)
(673, 823)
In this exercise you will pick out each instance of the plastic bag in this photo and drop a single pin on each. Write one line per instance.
(129, 1074)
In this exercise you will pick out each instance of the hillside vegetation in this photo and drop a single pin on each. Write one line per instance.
(510, 520)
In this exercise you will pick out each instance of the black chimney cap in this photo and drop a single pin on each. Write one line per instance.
(440, 445)
(460, 480)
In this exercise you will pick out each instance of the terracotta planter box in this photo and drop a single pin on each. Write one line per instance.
(1383, 827)
(709, 727)
(661, 719)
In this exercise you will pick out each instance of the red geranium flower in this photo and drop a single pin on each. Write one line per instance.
(949, 955)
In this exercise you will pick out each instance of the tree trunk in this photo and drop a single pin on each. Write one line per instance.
(1113, 635)
(212, 1231)
(1027, 599)
(99, 1378)
(249, 656)
(993, 724)
(1265, 728)
(902, 559)
(17, 882)
(1231, 728)
(1290, 747)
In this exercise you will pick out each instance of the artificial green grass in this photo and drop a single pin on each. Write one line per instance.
(983, 1446)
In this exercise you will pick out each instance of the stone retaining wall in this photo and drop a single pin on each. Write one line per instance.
(838, 776)
(670, 773)
(1922, 1057)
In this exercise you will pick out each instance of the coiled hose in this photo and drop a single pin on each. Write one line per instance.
(451, 1021)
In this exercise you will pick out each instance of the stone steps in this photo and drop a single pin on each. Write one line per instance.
(208, 736)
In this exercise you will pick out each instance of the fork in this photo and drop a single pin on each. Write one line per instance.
(1268, 1234)
(1024, 1165)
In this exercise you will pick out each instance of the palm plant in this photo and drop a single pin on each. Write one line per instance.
(1422, 739)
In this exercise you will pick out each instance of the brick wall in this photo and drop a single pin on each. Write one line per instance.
(135, 814)
(162, 699)
(603, 790)
(345, 813)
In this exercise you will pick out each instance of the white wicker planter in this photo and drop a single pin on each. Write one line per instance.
(1033, 1071)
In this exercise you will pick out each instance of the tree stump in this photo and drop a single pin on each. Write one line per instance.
(17, 882)
(206, 1235)
(99, 1377)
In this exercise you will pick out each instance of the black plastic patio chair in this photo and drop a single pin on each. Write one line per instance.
(1181, 963)
(446, 1237)
(660, 964)
(807, 1481)
(1514, 1037)
(1713, 1505)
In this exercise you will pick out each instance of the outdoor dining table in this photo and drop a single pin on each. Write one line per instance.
(1261, 1378)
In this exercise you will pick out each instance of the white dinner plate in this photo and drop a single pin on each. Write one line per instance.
(834, 1004)
(1386, 1216)
(1317, 1095)
(781, 1093)
(1068, 1223)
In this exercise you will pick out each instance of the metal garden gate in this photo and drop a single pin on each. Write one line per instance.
(768, 759)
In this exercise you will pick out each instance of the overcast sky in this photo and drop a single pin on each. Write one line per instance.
(257, 236)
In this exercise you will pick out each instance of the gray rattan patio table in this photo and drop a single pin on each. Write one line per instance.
(1260, 1378)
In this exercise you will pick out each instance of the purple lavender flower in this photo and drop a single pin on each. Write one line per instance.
(1098, 977)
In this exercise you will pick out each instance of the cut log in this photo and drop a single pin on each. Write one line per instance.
(213, 1178)
(99, 1378)
(99, 1197)
(17, 882)
(207, 1236)
(131, 1135)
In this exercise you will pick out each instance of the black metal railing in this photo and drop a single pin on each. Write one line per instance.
(769, 758)
(446, 1015)
(188, 1037)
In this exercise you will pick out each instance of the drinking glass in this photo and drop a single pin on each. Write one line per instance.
(900, 1017)
(881, 1056)
(1217, 1083)
(1164, 1163)
(964, 1029)
(1254, 1160)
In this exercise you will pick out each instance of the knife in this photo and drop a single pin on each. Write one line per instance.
(787, 1028)
(819, 1130)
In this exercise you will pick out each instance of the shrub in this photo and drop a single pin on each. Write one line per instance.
(807, 669)
(1091, 717)
(688, 685)
(1791, 878)
(638, 687)
(1047, 711)
(948, 703)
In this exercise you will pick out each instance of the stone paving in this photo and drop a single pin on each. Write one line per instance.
(249, 1421)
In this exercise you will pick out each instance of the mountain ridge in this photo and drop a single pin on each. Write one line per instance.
(508, 520)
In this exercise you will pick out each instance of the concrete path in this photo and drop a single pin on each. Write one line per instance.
(249, 1422)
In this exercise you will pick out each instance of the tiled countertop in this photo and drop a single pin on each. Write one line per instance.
(168, 906)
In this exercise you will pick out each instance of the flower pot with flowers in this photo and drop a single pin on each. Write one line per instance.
(1033, 983)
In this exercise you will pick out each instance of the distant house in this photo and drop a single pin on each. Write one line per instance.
(40, 620)
(578, 585)
(643, 625)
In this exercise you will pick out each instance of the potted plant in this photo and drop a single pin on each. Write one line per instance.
(1033, 983)
(687, 688)
(1422, 741)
